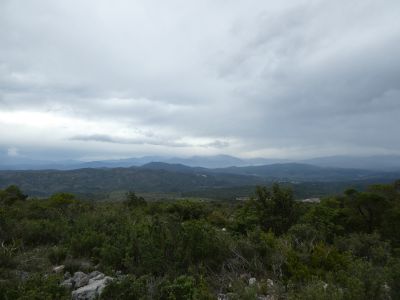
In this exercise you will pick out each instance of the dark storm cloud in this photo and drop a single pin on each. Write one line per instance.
(294, 78)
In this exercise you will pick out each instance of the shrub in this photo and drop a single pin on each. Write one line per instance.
(182, 287)
(57, 255)
(41, 232)
(37, 287)
(132, 200)
(11, 194)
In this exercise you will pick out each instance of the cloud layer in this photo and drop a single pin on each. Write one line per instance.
(93, 79)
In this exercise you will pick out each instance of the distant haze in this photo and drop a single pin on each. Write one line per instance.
(93, 80)
(387, 163)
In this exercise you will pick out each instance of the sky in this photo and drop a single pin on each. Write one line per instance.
(100, 79)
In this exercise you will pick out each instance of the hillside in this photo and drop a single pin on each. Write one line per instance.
(306, 172)
(177, 178)
(93, 181)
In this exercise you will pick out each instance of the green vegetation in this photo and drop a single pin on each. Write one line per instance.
(345, 247)
(183, 181)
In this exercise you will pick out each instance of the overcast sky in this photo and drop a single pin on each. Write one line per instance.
(107, 79)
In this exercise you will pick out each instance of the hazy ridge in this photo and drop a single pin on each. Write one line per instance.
(178, 178)
(377, 162)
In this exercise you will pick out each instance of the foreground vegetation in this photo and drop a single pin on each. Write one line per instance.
(346, 247)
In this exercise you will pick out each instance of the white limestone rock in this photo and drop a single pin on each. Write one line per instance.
(92, 290)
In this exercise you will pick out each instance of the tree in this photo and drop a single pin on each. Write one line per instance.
(277, 208)
(371, 208)
(132, 200)
(11, 194)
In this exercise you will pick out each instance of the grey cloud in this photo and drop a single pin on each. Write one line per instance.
(218, 144)
(118, 140)
(309, 77)
(94, 137)
(151, 140)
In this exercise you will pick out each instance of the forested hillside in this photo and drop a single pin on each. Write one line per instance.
(268, 247)
(306, 180)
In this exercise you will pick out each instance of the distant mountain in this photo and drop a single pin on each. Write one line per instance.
(377, 162)
(173, 168)
(224, 161)
(305, 172)
(163, 177)
(18, 163)
(216, 161)
(119, 163)
(24, 163)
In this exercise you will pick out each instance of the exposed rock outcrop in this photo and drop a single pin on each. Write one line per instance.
(59, 269)
(252, 281)
(92, 290)
(86, 286)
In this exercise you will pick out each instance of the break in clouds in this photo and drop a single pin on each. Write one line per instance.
(91, 79)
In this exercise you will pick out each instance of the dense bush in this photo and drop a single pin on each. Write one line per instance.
(57, 255)
(346, 247)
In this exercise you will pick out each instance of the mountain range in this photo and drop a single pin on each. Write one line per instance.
(163, 177)
(377, 163)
